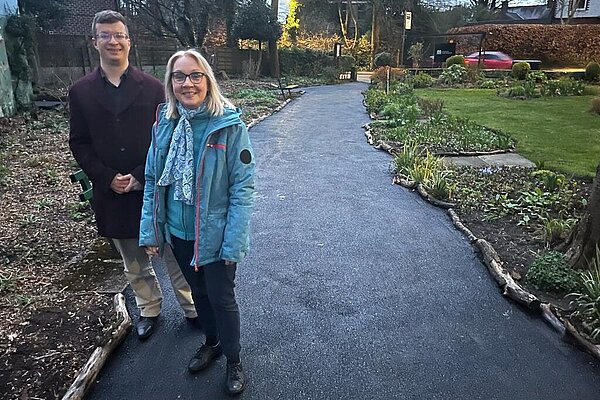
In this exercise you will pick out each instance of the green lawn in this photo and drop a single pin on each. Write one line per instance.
(558, 133)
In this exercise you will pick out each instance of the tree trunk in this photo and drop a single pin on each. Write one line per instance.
(375, 31)
(581, 246)
(273, 52)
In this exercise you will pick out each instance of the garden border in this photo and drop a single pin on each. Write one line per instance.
(510, 288)
(87, 374)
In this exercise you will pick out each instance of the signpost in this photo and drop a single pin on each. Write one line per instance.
(407, 26)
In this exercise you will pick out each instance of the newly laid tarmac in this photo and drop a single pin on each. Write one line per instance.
(354, 289)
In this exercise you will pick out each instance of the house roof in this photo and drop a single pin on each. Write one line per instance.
(527, 13)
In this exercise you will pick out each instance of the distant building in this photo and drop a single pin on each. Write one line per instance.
(583, 11)
(81, 13)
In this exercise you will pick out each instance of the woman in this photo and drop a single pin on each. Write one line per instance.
(198, 200)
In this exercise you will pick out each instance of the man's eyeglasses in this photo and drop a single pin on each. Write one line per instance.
(180, 77)
(106, 36)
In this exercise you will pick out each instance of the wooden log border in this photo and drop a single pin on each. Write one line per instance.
(87, 374)
(509, 287)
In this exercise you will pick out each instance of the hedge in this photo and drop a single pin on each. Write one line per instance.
(553, 44)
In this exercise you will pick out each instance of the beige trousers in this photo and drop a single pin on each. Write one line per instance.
(140, 275)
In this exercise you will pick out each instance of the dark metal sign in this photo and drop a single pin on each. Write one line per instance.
(443, 51)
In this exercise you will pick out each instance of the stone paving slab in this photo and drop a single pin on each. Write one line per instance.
(492, 160)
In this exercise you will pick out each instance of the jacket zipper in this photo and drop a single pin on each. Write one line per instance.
(198, 182)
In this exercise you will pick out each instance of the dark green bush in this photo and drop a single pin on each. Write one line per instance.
(420, 81)
(382, 59)
(550, 272)
(592, 71)
(520, 70)
(347, 62)
(303, 62)
(456, 59)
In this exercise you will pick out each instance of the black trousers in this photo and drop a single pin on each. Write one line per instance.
(214, 297)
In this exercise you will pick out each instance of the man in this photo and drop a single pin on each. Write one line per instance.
(112, 112)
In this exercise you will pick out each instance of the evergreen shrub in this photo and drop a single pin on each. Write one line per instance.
(456, 59)
(383, 59)
(592, 71)
(520, 70)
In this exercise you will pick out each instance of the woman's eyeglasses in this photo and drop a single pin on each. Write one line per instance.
(180, 77)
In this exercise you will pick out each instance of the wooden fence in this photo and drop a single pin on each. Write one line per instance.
(62, 59)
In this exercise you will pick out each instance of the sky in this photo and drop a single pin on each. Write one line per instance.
(10, 5)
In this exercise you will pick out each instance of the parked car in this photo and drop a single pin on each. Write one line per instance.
(490, 60)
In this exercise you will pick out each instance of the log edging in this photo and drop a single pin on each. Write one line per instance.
(87, 374)
(509, 287)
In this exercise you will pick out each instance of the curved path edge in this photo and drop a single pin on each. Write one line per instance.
(511, 289)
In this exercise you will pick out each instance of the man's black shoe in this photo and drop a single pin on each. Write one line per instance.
(203, 357)
(145, 327)
(235, 381)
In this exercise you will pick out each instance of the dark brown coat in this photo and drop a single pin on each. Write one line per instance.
(106, 141)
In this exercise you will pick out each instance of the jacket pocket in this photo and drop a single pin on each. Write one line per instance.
(215, 231)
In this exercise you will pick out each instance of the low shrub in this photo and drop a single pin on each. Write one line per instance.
(516, 91)
(592, 71)
(488, 84)
(595, 105)
(562, 87)
(454, 74)
(420, 81)
(537, 77)
(520, 70)
(379, 75)
(382, 59)
(550, 272)
(454, 60)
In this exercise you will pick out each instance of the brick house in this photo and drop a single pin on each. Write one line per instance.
(79, 20)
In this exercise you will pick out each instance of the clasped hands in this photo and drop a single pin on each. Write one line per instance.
(125, 184)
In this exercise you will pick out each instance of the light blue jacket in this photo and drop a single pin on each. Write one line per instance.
(224, 189)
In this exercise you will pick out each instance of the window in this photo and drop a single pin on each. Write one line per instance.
(580, 4)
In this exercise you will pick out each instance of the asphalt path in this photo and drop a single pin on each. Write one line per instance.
(354, 289)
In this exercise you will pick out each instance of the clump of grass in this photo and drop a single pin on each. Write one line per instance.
(587, 299)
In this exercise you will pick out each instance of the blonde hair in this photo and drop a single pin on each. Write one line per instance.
(215, 101)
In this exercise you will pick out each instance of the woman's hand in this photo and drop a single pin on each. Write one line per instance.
(152, 250)
(227, 262)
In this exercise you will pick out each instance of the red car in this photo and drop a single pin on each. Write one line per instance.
(490, 60)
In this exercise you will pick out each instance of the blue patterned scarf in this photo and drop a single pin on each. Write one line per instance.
(179, 166)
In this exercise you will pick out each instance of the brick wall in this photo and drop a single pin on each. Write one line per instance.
(79, 19)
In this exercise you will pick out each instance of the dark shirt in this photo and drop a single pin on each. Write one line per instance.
(113, 93)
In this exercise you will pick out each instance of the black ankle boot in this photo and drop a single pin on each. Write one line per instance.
(204, 357)
(235, 381)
